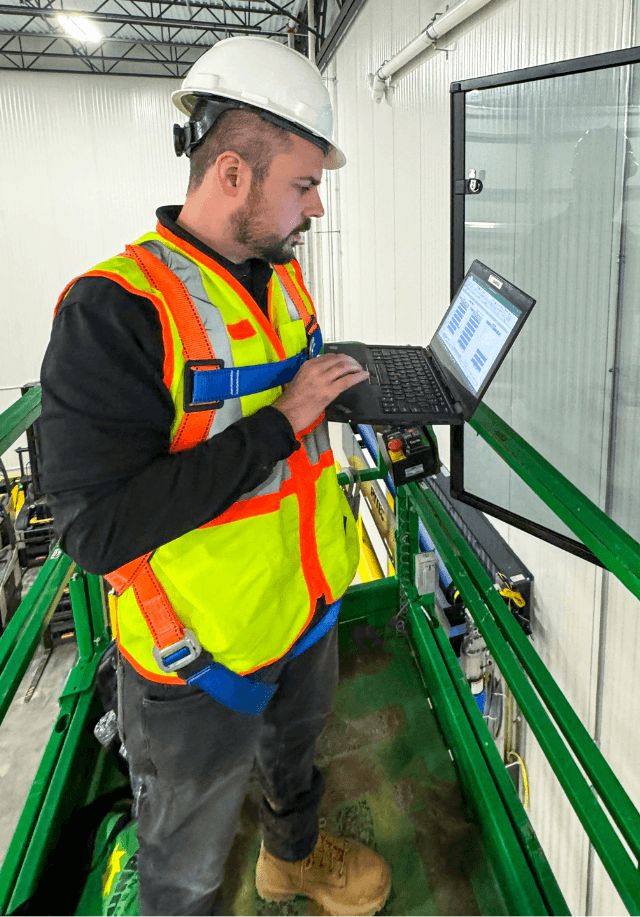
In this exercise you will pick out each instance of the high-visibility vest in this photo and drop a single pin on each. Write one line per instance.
(247, 582)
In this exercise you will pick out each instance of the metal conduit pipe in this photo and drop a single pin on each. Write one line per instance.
(311, 21)
(439, 26)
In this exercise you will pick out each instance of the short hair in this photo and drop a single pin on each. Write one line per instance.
(245, 133)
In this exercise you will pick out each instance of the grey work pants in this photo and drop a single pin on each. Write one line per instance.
(191, 759)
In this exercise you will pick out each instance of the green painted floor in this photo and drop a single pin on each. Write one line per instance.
(390, 784)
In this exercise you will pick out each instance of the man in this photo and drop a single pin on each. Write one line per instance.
(180, 467)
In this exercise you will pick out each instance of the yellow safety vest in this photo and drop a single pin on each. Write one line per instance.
(246, 583)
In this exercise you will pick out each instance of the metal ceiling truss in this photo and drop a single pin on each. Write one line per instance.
(160, 38)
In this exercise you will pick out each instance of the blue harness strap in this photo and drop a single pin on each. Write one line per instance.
(215, 384)
(208, 384)
(246, 693)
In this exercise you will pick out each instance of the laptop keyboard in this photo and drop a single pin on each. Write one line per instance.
(407, 382)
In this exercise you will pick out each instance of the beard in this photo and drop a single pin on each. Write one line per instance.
(249, 231)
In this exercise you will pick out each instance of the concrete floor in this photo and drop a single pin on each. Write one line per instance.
(24, 734)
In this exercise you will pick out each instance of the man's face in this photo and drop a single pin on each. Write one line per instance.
(280, 208)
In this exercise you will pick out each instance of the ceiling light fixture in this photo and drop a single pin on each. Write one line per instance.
(80, 28)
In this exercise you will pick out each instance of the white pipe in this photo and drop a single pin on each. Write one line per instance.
(438, 27)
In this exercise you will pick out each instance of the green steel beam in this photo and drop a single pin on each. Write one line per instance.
(529, 842)
(97, 607)
(617, 550)
(70, 726)
(516, 880)
(20, 639)
(460, 560)
(586, 751)
(23, 862)
(81, 615)
(19, 417)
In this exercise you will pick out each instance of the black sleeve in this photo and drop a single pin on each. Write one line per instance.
(115, 490)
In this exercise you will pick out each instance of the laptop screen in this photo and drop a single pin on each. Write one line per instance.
(476, 327)
(479, 328)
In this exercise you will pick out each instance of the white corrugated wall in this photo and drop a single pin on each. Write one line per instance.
(84, 162)
(381, 274)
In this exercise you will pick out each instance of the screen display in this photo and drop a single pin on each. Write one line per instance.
(476, 328)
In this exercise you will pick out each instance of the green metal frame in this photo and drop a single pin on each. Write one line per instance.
(613, 547)
(17, 419)
(518, 861)
(71, 768)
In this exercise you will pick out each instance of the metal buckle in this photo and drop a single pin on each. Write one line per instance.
(189, 367)
(189, 642)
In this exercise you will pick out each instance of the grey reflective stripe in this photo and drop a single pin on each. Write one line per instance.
(317, 442)
(189, 273)
(273, 483)
(314, 443)
(292, 309)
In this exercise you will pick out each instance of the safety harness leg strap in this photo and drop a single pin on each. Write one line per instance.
(177, 649)
(246, 693)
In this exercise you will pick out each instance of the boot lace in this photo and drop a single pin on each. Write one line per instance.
(329, 853)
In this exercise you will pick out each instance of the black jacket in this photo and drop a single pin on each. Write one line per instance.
(115, 490)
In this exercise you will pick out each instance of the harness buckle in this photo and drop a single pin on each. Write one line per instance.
(177, 655)
(190, 367)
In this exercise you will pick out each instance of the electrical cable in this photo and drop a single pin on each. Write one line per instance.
(525, 776)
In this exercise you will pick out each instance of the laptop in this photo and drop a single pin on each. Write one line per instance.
(445, 382)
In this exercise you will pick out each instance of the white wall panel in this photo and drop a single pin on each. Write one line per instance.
(84, 162)
(394, 219)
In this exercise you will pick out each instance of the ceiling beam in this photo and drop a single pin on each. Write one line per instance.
(291, 16)
(101, 57)
(211, 26)
(47, 36)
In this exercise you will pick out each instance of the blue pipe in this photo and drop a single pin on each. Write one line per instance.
(369, 439)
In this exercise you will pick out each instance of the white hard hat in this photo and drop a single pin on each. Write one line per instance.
(264, 74)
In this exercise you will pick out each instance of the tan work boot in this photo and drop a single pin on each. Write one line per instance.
(343, 877)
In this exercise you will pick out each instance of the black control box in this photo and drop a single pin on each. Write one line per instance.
(411, 453)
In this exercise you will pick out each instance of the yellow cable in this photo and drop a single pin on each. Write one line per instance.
(525, 776)
(512, 595)
(509, 593)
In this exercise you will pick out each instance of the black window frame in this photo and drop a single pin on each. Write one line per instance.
(458, 91)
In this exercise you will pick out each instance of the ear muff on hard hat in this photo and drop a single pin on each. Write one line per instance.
(208, 109)
(263, 76)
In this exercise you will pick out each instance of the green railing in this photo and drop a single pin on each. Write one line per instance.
(520, 866)
(70, 770)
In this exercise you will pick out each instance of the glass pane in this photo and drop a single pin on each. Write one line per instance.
(551, 155)
(623, 504)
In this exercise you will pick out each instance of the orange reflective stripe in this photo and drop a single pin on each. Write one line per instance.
(298, 272)
(303, 310)
(268, 503)
(304, 474)
(231, 281)
(194, 427)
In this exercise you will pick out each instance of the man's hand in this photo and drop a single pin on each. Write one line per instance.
(316, 384)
